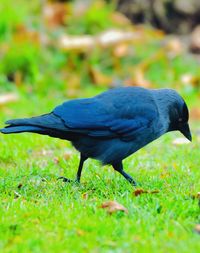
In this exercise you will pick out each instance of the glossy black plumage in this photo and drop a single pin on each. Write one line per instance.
(112, 125)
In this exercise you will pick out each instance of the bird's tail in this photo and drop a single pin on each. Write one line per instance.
(20, 129)
(44, 124)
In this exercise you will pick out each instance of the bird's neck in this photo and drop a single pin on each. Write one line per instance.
(165, 105)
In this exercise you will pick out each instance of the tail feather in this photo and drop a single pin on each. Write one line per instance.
(39, 130)
(47, 124)
(20, 129)
(49, 120)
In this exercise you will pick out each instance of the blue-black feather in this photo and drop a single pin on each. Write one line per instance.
(110, 126)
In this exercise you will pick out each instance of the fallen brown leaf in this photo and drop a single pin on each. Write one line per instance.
(78, 43)
(73, 86)
(67, 155)
(195, 113)
(154, 191)
(195, 40)
(99, 78)
(108, 38)
(55, 14)
(174, 47)
(56, 160)
(8, 97)
(197, 228)
(138, 79)
(189, 79)
(112, 37)
(138, 192)
(24, 34)
(85, 195)
(113, 206)
(121, 50)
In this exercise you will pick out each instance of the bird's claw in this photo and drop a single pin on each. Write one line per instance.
(134, 183)
(67, 180)
(64, 179)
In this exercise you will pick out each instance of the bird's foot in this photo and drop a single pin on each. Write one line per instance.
(66, 180)
(133, 182)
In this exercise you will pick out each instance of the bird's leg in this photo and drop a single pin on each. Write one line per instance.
(119, 167)
(82, 160)
(78, 175)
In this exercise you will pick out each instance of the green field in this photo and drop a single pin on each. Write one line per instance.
(42, 214)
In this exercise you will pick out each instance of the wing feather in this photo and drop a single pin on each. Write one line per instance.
(106, 118)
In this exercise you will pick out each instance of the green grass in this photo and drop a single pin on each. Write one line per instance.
(41, 214)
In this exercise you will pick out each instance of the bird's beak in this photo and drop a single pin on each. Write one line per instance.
(185, 130)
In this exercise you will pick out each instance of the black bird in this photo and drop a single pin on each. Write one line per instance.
(111, 126)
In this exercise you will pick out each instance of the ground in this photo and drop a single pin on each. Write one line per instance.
(41, 214)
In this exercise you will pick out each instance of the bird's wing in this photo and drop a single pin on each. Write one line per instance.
(96, 118)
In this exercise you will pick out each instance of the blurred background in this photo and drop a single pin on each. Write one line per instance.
(54, 50)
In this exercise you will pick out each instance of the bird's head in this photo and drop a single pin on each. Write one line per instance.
(179, 115)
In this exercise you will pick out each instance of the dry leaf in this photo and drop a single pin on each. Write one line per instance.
(55, 14)
(78, 43)
(113, 206)
(138, 79)
(107, 38)
(23, 34)
(174, 47)
(112, 37)
(73, 87)
(56, 160)
(68, 154)
(181, 141)
(188, 78)
(195, 113)
(99, 78)
(197, 228)
(154, 191)
(8, 97)
(121, 50)
(138, 192)
(18, 77)
(85, 195)
(195, 40)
